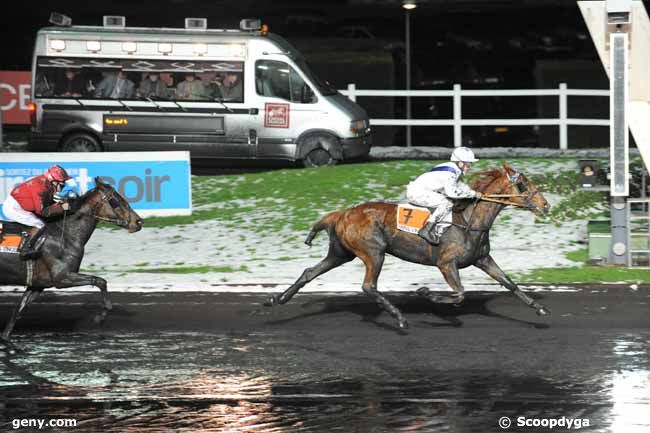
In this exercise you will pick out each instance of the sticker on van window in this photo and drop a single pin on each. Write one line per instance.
(276, 115)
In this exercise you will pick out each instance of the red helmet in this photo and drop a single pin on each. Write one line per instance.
(57, 173)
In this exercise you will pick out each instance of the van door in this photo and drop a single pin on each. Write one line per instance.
(287, 105)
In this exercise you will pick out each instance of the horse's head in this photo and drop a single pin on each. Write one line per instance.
(112, 207)
(526, 193)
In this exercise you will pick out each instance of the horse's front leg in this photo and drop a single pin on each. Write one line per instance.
(489, 266)
(449, 270)
(74, 279)
(29, 296)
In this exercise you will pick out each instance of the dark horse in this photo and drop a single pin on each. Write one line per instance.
(63, 249)
(369, 231)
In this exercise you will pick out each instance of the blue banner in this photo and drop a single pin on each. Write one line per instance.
(154, 183)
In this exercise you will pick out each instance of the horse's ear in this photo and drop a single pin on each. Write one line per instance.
(508, 168)
(98, 181)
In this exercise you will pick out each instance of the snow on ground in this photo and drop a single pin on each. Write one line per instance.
(518, 245)
(270, 262)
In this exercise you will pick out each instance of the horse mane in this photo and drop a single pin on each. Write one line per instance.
(485, 178)
(482, 181)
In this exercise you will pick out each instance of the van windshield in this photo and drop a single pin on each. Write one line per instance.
(325, 88)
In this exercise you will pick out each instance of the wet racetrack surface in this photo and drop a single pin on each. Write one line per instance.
(197, 362)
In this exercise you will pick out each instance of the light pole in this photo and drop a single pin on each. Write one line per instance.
(408, 7)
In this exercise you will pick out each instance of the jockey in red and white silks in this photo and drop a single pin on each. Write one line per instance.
(34, 199)
(434, 189)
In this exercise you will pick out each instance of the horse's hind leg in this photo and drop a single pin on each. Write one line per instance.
(328, 263)
(489, 266)
(373, 268)
(29, 296)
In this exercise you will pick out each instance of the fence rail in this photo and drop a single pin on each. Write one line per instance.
(457, 122)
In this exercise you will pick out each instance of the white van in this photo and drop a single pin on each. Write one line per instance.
(221, 94)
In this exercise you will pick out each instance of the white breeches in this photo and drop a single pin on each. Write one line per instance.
(12, 210)
(442, 206)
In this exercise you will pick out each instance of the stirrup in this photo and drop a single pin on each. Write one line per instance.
(428, 234)
(31, 249)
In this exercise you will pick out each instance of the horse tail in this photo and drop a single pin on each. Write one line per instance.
(327, 222)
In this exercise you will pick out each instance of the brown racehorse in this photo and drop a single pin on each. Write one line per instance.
(369, 231)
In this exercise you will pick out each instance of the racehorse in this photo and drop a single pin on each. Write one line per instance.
(369, 231)
(63, 249)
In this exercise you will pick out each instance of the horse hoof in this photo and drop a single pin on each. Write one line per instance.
(423, 291)
(403, 324)
(542, 311)
(271, 301)
(108, 305)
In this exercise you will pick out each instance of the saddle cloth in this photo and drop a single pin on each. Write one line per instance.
(11, 235)
(411, 218)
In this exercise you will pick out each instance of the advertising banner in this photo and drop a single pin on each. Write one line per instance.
(154, 183)
(15, 88)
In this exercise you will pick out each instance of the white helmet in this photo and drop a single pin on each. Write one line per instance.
(463, 154)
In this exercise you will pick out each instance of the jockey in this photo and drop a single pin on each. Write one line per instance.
(435, 188)
(36, 198)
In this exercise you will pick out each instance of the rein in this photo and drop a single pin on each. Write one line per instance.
(506, 202)
(502, 199)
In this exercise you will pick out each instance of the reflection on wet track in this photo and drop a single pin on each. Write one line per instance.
(263, 382)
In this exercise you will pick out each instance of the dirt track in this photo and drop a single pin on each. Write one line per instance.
(177, 361)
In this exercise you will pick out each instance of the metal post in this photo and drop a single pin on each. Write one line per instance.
(619, 154)
(408, 75)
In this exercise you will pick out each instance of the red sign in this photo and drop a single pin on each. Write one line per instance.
(15, 88)
(276, 115)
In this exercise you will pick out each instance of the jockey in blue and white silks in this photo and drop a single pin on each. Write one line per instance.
(434, 189)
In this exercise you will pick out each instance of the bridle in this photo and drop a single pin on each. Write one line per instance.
(114, 204)
(517, 180)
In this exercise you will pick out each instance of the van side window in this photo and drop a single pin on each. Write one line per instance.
(139, 79)
(279, 80)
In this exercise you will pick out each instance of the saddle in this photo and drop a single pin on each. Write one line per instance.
(411, 218)
(11, 236)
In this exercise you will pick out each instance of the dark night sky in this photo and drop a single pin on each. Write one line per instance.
(384, 18)
(449, 36)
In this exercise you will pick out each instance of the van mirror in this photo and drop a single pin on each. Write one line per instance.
(306, 94)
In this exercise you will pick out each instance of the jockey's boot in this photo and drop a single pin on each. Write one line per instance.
(31, 245)
(429, 234)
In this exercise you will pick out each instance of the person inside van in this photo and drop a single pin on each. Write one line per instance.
(190, 88)
(115, 86)
(153, 87)
(71, 86)
(227, 86)
(232, 87)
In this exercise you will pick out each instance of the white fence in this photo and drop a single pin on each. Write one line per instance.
(562, 92)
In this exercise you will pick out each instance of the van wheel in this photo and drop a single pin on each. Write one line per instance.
(318, 158)
(80, 142)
